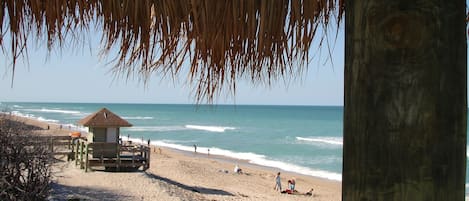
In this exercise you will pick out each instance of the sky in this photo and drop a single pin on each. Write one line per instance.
(77, 74)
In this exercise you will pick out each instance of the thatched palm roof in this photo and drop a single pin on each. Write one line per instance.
(104, 119)
(223, 41)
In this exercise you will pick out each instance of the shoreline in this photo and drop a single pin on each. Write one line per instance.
(229, 160)
(182, 175)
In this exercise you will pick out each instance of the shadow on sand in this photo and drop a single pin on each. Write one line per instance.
(197, 189)
(63, 192)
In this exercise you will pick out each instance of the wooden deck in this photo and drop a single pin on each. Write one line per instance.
(111, 156)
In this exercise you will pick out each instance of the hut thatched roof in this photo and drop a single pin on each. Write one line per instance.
(104, 118)
(220, 41)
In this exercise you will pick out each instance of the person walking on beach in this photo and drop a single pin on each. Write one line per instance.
(278, 184)
(195, 148)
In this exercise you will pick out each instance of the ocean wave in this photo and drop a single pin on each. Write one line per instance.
(138, 118)
(74, 127)
(53, 111)
(250, 157)
(53, 121)
(17, 106)
(47, 120)
(30, 116)
(156, 128)
(325, 140)
(219, 129)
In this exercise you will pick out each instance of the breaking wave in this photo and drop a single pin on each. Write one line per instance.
(218, 129)
(324, 140)
(53, 111)
(138, 118)
(249, 156)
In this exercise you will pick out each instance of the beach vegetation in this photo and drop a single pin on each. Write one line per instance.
(25, 162)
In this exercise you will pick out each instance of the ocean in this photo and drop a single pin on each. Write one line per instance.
(302, 139)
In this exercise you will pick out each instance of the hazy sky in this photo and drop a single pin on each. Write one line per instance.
(79, 75)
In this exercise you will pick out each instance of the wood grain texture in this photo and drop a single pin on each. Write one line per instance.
(405, 100)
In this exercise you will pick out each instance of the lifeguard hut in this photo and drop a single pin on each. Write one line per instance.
(103, 147)
(104, 127)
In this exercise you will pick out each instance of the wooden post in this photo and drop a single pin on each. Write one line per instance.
(118, 157)
(405, 101)
(81, 155)
(76, 152)
(148, 158)
(69, 142)
(133, 156)
(86, 158)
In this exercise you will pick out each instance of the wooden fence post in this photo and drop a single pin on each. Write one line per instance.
(81, 155)
(76, 151)
(86, 159)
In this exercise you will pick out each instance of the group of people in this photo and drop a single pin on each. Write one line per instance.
(290, 188)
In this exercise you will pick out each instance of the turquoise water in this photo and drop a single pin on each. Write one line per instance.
(302, 139)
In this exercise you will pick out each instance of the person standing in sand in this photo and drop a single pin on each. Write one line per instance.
(278, 183)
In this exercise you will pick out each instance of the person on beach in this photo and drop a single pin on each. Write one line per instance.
(290, 187)
(195, 148)
(237, 169)
(310, 192)
(292, 184)
(278, 183)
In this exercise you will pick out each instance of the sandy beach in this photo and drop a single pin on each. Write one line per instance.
(179, 175)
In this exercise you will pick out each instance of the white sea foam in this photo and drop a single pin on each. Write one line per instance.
(47, 120)
(251, 157)
(53, 111)
(17, 106)
(65, 126)
(17, 113)
(326, 140)
(156, 128)
(75, 127)
(219, 129)
(138, 118)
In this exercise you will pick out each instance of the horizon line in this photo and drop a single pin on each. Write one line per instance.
(149, 103)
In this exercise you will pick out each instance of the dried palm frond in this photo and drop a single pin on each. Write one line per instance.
(223, 41)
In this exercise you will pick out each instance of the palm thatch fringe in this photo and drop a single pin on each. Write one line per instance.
(222, 40)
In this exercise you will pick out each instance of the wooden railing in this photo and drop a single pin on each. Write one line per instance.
(58, 145)
(112, 155)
